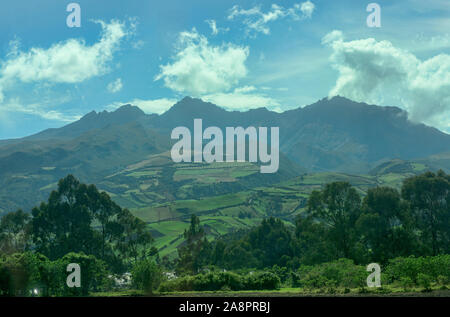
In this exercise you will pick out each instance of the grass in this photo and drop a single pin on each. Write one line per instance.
(143, 173)
(389, 291)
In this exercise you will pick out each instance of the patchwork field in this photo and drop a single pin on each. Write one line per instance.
(222, 214)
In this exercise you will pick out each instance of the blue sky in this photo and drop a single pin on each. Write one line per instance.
(237, 54)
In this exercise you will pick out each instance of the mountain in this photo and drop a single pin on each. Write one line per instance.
(91, 121)
(334, 134)
(186, 110)
(339, 134)
(126, 152)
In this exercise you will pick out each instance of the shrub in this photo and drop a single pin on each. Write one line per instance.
(406, 282)
(180, 284)
(343, 273)
(262, 281)
(216, 281)
(93, 273)
(424, 280)
(146, 275)
(22, 272)
(411, 267)
(443, 280)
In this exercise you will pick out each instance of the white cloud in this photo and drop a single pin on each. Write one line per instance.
(243, 98)
(138, 44)
(257, 21)
(378, 72)
(115, 86)
(437, 42)
(214, 29)
(307, 8)
(38, 109)
(245, 89)
(333, 36)
(200, 68)
(70, 61)
(158, 106)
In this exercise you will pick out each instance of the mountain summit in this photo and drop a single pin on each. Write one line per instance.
(90, 121)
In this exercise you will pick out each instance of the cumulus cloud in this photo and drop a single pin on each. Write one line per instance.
(70, 61)
(378, 72)
(243, 98)
(115, 86)
(307, 8)
(158, 106)
(201, 68)
(257, 21)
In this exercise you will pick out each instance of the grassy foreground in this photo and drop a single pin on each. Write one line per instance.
(386, 291)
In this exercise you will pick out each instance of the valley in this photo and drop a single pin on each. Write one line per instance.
(126, 153)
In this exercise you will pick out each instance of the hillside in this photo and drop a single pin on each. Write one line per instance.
(226, 213)
(120, 150)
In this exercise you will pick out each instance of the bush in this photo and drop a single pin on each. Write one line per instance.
(443, 280)
(146, 275)
(22, 272)
(180, 284)
(411, 267)
(13, 276)
(216, 281)
(424, 280)
(93, 274)
(406, 283)
(343, 273)
(262, 281)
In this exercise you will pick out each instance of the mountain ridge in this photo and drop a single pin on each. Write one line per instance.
(331, 135)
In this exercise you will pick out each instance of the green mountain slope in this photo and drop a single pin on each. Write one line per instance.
(226, 213)
(125, 151)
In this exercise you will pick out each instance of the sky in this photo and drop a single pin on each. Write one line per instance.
(237, 54)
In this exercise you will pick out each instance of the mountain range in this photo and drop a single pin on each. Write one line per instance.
(104, 148)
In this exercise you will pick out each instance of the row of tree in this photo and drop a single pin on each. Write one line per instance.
(78, 218)
(337, 223)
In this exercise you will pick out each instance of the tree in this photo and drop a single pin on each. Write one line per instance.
(311, 244)
(197, 250)
(78, 218)
(14, 232)
(146, 275)
(337, 207)
(134, 239)
(64, 223)
(428, 196)
(272, 240)
(384, 225)
(106, 212)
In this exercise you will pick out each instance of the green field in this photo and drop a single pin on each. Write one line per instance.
(389, 290)
(223, 214)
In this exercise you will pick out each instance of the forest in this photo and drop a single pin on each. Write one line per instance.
(327, 250)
